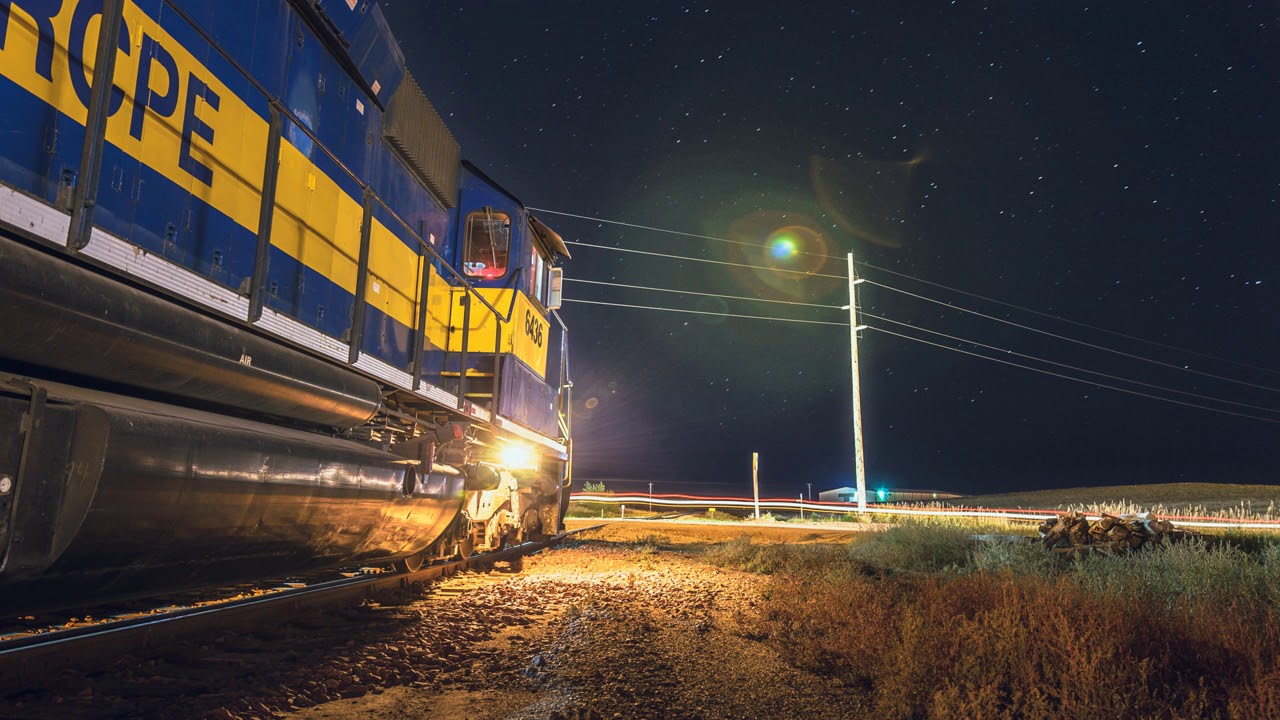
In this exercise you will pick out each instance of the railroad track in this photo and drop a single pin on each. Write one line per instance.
(30, 660)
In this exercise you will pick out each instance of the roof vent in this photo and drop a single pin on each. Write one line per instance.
(414, 128)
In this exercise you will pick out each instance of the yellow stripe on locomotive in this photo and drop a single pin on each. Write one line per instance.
(189, 126)
(193, 130)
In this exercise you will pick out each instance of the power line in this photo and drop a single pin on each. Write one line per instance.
(1070, 367)
(932, 300)
(640, 227)
(1067, 320)
(921, 280)
(1071, 340)
(682, 234)
(1075, 379)
(705, 312)
(702, 260)
(702, 294)
(947, 347)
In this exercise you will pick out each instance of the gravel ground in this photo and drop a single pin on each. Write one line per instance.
(627, 623)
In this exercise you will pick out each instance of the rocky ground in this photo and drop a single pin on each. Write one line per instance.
(627, 622)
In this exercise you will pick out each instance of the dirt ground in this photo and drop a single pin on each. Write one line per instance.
(621, 622)
(636, 627)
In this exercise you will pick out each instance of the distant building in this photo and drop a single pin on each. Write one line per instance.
(884, 495)
(840, 494)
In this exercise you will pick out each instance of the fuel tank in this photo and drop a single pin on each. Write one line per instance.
(106, 496)
(71, 319)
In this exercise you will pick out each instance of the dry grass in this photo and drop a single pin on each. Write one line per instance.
(1215, 499)
(926, 622)
(1009, 647)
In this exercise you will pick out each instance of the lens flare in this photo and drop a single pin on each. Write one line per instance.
(869, 199)
(783, 247)
(795, 248)
(787, 255)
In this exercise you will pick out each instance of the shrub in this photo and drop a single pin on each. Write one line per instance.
(1188, 572)
(649, 544)
(1013, 557)
(915, 547)
(741, 554)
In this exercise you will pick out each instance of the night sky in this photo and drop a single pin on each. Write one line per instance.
(1115, 166)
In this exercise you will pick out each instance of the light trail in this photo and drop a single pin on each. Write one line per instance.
(881, 509)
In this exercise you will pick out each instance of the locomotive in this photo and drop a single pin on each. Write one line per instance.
(257, 315)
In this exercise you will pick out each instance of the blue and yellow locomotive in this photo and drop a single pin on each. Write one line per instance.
(256, 314)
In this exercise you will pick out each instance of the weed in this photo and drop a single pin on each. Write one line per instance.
(1251, 542)
(1014, 557)
(1195, 572)
(981, 645)
(649, 544)
(743, 555)
(1006, 630)
(916, 546)
(1186, 499)
(814, 559)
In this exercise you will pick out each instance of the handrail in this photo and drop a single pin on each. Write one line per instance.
(280, 111)
(89, 173)
(315, 139)
(461, 281)
(564, 411)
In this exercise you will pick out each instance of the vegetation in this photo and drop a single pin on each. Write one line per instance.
(962, 617)
(927, 621)
(1218, 499)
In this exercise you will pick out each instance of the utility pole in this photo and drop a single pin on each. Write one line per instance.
(651, 497)
(801, 508)
(858, 466)
(755, 480)
(810, 488)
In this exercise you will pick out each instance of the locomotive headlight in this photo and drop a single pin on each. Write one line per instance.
(519, 456)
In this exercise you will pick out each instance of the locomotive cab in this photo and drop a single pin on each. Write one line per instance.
(504, 348)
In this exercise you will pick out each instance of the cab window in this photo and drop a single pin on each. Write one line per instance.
(537, 275)
(487, 245)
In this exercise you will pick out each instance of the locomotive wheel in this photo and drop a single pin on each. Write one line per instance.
(413, 563)
(531, 526)
(464, 548)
